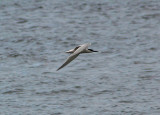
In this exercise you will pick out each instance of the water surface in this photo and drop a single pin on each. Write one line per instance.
(122, 79)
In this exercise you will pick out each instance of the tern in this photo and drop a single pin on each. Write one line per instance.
(75, 52)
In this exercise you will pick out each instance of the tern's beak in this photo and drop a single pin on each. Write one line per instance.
(92, 50)
(95, 51)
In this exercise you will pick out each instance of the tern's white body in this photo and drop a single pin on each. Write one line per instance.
(75, 52)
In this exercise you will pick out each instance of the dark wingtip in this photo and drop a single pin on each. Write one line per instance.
(59, 68)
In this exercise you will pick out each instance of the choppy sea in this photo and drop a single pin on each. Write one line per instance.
(123, 78)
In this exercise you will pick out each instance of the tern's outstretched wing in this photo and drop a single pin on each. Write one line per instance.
(84, 46)
(70, 58)
(73, 50)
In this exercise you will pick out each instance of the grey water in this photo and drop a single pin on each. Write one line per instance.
(123, 78)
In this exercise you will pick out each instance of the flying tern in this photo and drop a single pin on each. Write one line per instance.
(75, 52)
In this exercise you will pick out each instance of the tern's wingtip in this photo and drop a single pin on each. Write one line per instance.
(58, 69)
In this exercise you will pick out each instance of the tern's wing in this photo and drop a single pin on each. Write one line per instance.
(83, 46)
(73, 50)
(70, 58)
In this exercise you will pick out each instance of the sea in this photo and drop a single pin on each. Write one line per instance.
(123, 78)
